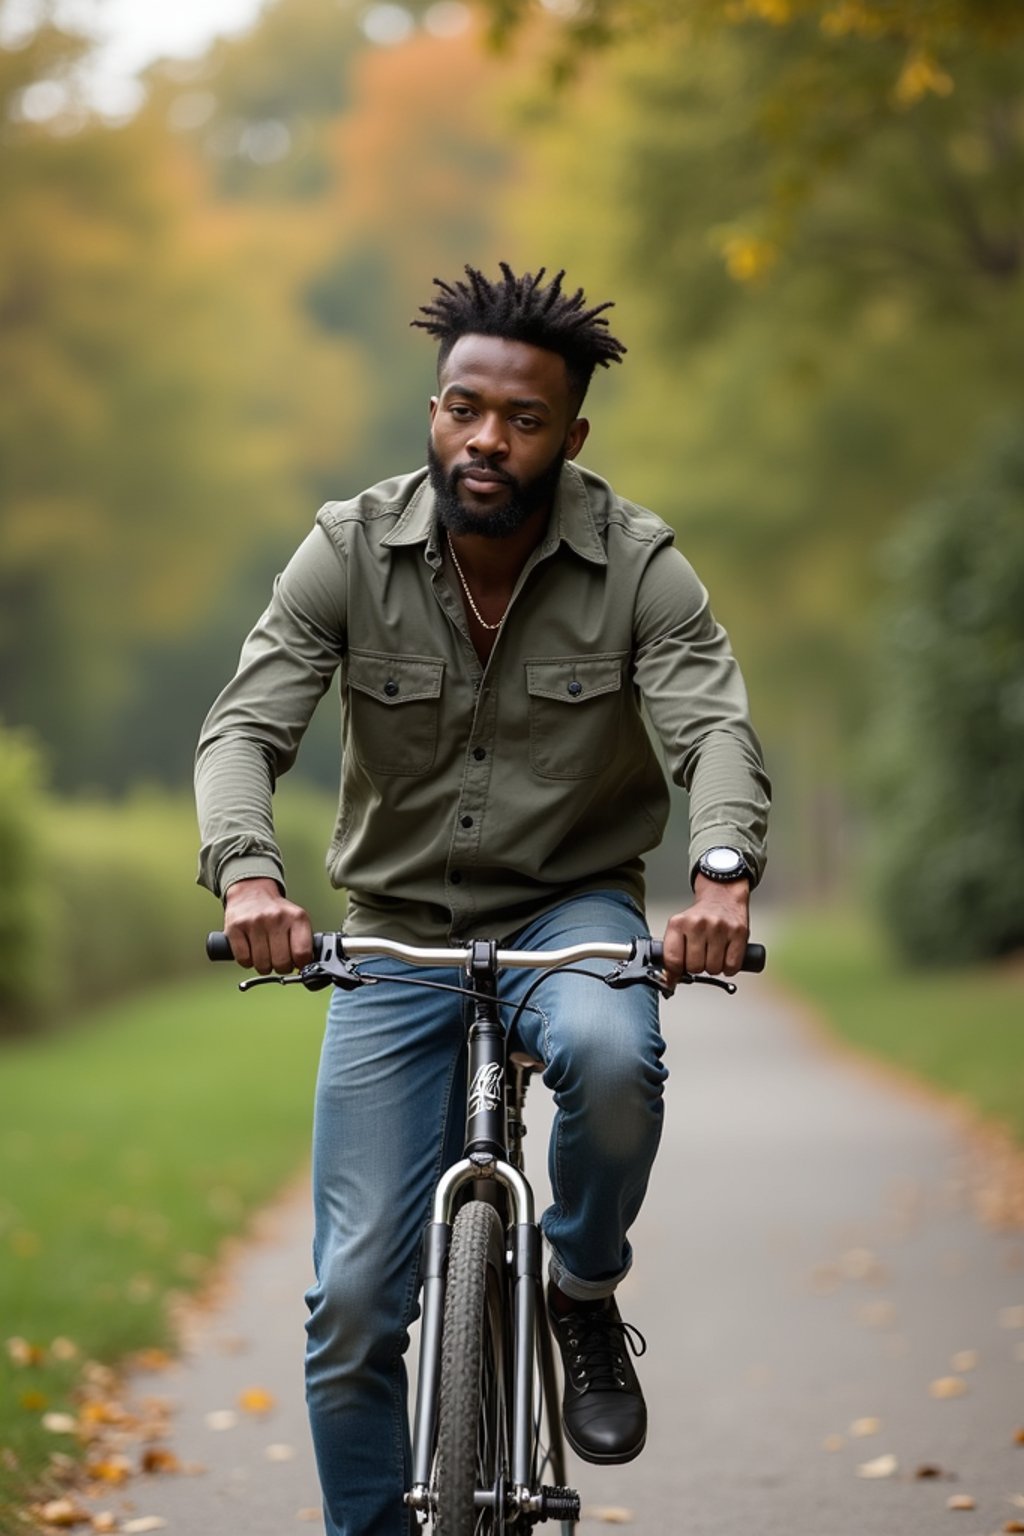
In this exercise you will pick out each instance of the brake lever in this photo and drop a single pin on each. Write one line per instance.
(333, 970)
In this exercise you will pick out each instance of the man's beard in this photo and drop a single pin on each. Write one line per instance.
(525, 497)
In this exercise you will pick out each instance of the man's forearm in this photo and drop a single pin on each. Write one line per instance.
(234, 800)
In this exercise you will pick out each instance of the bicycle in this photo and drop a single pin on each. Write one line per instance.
(487, 1426)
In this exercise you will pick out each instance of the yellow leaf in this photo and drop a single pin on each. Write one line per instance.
(960, 1501)
(33, 1402)
(111, 1469)
(948, 1386)
(256, 1400)
(861, 1427)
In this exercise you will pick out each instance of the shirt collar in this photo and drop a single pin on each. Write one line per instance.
(572, 520)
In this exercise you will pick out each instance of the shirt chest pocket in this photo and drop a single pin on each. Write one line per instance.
(575, 705)
(394, 703)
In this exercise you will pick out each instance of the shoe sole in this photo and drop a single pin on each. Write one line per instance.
(597, 1460)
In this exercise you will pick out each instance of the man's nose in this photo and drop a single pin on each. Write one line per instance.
(490, 439)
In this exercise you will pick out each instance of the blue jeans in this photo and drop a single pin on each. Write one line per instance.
(390, 1117)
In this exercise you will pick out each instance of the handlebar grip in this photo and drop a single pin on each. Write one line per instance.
(218, 948)
(754, 959)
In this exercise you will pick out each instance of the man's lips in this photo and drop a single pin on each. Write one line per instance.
(481, 479)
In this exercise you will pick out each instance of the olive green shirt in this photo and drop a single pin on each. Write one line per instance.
(474, 797)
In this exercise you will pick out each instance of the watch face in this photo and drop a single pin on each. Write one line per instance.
(723, 861)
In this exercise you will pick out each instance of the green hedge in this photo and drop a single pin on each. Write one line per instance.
(99, 897)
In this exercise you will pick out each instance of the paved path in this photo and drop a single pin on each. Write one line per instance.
(807, 1259)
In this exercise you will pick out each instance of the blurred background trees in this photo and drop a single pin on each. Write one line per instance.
(808, 212)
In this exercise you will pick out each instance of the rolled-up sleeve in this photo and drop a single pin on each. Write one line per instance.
(697, 702)
(252, 733)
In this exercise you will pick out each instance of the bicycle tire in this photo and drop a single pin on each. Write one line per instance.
(473, 1417)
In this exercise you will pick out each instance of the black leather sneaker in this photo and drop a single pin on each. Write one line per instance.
(603, 1408)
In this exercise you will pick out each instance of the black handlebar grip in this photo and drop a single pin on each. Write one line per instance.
(218, 948)
(754, 958)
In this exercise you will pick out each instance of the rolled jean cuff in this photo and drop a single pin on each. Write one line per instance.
(584, 1290)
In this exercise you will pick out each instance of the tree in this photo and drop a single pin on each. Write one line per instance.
(947, 790)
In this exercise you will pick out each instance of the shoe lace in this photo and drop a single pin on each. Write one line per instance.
(596, 1344)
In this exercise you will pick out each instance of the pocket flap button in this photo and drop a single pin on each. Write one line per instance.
(575, 689)
(391, 688)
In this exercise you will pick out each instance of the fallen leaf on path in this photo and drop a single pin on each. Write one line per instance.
(610, 1514)
(111, 1469)
(256, 1400)
(861, 1427)
(1011, 1317)
(144, 1523)
(61, 1512)
(960, 1501)
(103, 1411)
(59, 1423)
(152, 1359)
(106, 1520)
(21, 1352)
(948, 1386)
(280, 1452)
(1018, 1438)
(964, 1360)
(309, 1514)
(156, 1458)
(928, 1469)
(833, 1442)
(882, 1466)
(1013, 1525)
(221, 1418)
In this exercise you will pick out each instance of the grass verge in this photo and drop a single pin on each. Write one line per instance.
(129, 1149)
(957, 1029)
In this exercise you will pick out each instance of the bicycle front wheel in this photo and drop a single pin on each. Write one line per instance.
(471, 1464)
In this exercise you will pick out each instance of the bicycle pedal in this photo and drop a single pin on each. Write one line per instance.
(559, 1504)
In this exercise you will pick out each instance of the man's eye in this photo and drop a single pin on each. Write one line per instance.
(460, 412)
(526, 423)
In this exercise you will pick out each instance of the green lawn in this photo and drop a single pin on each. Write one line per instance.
(962, 1030)
(130, 1145)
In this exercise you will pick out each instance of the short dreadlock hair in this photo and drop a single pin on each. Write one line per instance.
(520, 309)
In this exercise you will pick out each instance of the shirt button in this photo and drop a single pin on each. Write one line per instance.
(456, 877)
(574, 688)
(467, 821)
(479, 753)
(390, 687)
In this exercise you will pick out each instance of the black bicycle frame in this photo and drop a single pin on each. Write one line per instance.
(485, 1157)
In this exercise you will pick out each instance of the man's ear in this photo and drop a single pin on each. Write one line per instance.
(433, 407)
(576, 436)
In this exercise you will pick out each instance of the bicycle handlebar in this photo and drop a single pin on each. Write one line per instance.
(218, 948)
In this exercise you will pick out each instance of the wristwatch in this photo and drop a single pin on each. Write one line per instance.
(723, 864)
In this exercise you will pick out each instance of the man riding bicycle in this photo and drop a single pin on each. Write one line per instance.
(497, 617)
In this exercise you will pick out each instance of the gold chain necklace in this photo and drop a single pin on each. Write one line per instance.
(469, 596)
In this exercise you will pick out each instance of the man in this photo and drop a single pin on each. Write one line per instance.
(497, 618)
